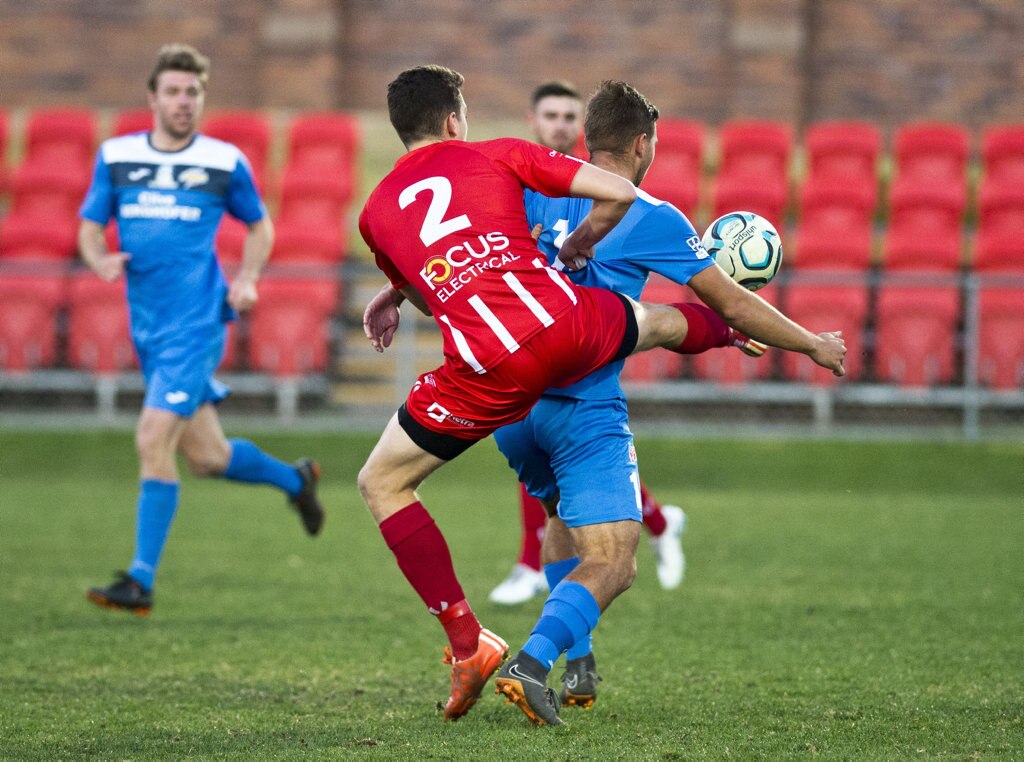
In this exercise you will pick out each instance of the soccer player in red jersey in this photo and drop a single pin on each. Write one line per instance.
(448, 228)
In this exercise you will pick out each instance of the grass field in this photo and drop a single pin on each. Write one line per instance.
(856, 601)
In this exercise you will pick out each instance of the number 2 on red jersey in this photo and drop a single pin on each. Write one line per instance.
(435, 226)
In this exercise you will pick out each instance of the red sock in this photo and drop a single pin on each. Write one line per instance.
(534, 518)
(654, 519)
(424, 558)
(706, 329)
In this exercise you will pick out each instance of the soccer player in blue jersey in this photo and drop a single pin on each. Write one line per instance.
(574, 450)
(168, 189)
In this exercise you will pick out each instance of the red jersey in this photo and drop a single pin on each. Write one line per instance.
(449, 221)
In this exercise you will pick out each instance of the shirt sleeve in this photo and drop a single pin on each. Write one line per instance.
(99, 203)
(243, 200)
(666, 243)
(538, 168)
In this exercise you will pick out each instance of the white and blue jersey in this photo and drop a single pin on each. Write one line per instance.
(574, 432)
(168, 206)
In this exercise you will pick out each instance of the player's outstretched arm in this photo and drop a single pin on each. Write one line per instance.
(612, 195)
(93, 247)
(746, 312)
(242, 294)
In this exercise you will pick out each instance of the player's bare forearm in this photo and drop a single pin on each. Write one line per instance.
(612, 196)
(242, 293)
(93, 248)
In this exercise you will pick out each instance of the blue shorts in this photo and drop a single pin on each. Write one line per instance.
(179, 368)
(580, 451)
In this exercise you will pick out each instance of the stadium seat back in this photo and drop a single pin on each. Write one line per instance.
(1002, 150)
(844, 149)
(828, 308)
(99, 339)
(752, 148)
(732, 194)
(298, 242)
(998, 251)
(931, 152)
(289, 329)
(28, 320)
(48, 190)
(314, 199)
(63, 136)
(37, 238)
(324, 139)
(132, 120)
(1001, 338)
(825, 203)
(915, 340)
(825, 246)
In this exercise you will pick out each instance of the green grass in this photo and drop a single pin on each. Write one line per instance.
(856, 601)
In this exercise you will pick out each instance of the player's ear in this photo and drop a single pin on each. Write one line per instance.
(451, 125)
(639, 145)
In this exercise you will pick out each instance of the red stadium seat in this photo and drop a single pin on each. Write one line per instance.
(1002, 154)
(676, 174)
(825, 247)
(729, 365)
(29, 237)
(755, 148)
(4, 172)
(48, 191)
(132, 120)
(998, 251)
(844, 153)
(28, 320)
(915, 338)
(658, 364)
(925, 228)
(733, 194)
(289, 328)
(1001, 338)
(827, 308)
(250, 131)
(98, 334)
(65, 136)
(825, 202)
(314, 199)
(296, 242)
(931, 152)
(998, 245)
(323, 139)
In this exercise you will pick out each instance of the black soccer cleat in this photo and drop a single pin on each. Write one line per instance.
(306, 502)
(579, 683)
(523, 682)
(124, 594)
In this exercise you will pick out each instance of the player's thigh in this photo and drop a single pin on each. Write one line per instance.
(157, 433)
(393, 471)
(594, 461)
(531, 464)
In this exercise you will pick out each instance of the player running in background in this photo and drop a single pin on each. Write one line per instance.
(448, 227)
(168, 190)
(556, 120)
(575, 450)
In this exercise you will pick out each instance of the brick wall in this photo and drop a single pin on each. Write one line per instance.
(797, 60)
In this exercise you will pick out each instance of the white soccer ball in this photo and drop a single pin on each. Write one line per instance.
(746, 246)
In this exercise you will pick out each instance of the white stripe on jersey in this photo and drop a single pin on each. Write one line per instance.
(203, 152)
(557, 279)
(492, 321)
(528, 299)
(463, 346)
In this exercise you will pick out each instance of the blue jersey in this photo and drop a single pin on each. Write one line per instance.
(168, 206)
(654, 236)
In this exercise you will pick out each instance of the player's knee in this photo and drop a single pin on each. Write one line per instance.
(206, 463)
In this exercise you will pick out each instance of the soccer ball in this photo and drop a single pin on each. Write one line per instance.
(746, 246)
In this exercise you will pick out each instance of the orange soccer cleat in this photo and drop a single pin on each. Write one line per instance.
(470, 675)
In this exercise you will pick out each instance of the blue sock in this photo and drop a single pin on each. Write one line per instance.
(157, 504)
(250, 464)
(569, 614)
(555, 573)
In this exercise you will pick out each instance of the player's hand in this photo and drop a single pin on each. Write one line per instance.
(242, 293)
(574, 258)
(381, 318)
(830, 352)
(111, 266)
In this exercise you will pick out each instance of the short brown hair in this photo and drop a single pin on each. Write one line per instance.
(420, 99)
(616, 114)
(558, 88)
(180, 57)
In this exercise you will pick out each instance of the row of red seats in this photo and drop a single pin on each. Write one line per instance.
(915, 336)
(316, 186)
(838, 200)
(287, 335)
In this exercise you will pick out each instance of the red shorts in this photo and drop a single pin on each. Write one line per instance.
(452, 407)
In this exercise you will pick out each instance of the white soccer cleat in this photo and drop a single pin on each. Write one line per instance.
(522, 584)
(668, 548)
